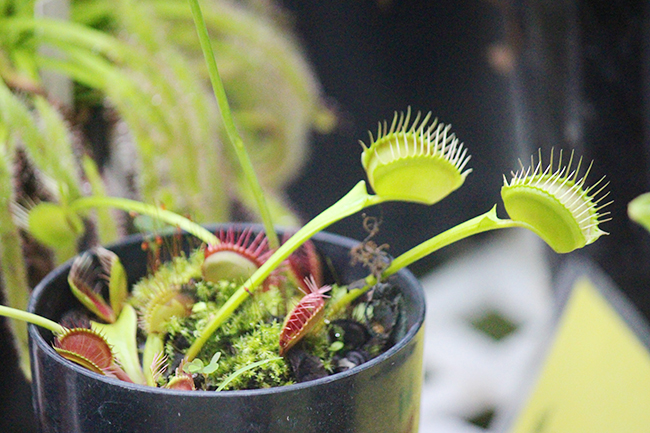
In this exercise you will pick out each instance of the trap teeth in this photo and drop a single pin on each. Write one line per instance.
(556, 204)
(420, 163)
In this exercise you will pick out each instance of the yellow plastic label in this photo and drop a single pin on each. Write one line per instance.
(596, 377)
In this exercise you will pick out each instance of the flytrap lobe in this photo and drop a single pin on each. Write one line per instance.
(422, 162)
(304, 316)
(236, 256)
(89, 349)
(94, 271)
(556, 203)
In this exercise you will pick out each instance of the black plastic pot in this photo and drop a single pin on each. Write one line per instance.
(382, 395)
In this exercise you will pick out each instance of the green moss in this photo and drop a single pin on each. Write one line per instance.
(217, 293)
(248, 338)
(258, 345)
(250, 335)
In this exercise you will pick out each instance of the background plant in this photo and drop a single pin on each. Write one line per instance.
(140, 121)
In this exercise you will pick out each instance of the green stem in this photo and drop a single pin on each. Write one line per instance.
(240, 23)
(13, 273)
(145, 209)
(32, 318)
(482, 223)
(231, 129)
(244, 369)
(354, 201)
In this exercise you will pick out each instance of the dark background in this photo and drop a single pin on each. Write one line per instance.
(432, 56)
(574, 75)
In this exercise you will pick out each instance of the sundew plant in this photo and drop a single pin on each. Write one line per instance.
(247, 309)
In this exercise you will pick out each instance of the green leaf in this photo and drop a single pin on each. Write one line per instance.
(237, 373)
(193, 367)
(639, 210)
(121, 335)
(213, 365)
(54, 225)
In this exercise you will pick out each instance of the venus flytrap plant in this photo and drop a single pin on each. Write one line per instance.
(553, 203)
(569, 220)
(428, 148)
(145, 79)
(222, 298)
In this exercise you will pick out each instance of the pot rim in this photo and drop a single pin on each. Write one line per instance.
(37, 338)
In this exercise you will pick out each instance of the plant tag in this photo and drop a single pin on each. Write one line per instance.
(596, 377)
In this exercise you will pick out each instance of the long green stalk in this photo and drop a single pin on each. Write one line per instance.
(231, 129)
(34, 319)
(354, 201)
(482, 223)
(125, 204)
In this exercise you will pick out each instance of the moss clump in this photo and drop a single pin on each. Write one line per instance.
(257, 345)
(250, 335)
